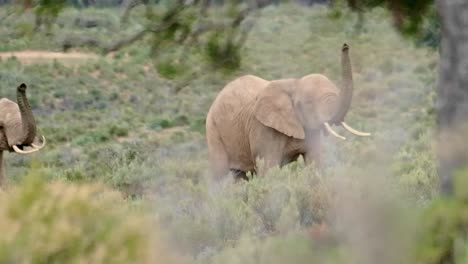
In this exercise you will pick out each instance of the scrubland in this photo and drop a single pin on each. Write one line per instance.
(124, 177)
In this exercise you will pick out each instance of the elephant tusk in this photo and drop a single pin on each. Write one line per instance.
(41, 146)
(354, 131)
(331, 131)
(17, 150)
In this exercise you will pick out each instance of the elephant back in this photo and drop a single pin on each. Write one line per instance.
(236, 96)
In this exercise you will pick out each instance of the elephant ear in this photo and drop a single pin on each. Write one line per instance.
(274, 109)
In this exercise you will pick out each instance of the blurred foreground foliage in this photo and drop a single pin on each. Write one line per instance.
(293, 215)
(60, 222)
(416, 19)
(444, 226)
(408, 15)
(186, 31)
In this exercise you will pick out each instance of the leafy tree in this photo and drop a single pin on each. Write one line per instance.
(408, 15)
(47, 11)
(414, 19)
(212, 31)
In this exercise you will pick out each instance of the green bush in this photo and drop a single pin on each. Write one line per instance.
(222, 52)
(203, 217)
(443, 236)
(170, 69)
(118, 130)
(296, 249)
(94, 137)
(64, 223)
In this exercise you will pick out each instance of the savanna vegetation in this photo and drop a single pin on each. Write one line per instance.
(124, 177)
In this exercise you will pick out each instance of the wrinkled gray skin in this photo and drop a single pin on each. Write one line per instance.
(17, 126)
(274, 120)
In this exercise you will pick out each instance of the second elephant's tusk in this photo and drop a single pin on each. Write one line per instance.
(331, 131)
(41, 146)
(18, 150)
(354, 131)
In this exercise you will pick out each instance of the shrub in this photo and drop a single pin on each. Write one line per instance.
(203, 218)
(296, 249)
(443, 231)
(118, 130)
(92, 138)
(65, 223)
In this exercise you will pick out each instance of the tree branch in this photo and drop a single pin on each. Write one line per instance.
(126, 41)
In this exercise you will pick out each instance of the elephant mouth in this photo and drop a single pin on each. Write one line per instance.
(28, 149)
(347, 127)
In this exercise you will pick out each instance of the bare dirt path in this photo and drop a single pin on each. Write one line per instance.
(37, 56)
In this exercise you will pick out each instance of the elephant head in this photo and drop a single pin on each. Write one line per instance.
(294, 106)
(18, 126)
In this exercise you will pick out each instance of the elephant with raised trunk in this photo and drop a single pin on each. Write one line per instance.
(17, 127)
(276, 120)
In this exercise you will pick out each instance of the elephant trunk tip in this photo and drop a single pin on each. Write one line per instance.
(345, 47)
(22, 88)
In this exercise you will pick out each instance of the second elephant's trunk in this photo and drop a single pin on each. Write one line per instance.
(27, 118)
(346, 92)
(2, 175)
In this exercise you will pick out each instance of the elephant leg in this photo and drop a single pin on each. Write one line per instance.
(269, 145)
(271, 157)
(313, 152)
(218, 156)
(239, 175)
(2, 180)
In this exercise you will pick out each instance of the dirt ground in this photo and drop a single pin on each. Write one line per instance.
(32, 56)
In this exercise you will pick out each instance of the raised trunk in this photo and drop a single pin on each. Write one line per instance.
(2, 175)
(346, 92)
(452, 101)
(27, 118)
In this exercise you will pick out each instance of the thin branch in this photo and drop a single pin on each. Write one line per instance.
(126, 41)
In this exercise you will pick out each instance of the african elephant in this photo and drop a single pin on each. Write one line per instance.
(275, 120)
(17, 127)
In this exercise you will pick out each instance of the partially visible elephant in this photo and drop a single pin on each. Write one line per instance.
(275, 120)
(17, 127)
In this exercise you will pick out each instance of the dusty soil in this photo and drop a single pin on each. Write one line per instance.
(32, 56)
